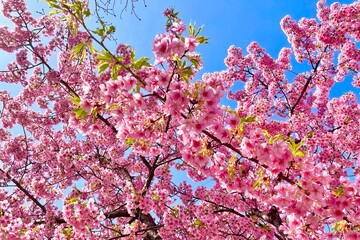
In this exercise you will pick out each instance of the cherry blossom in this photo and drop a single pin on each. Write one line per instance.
(92, 143)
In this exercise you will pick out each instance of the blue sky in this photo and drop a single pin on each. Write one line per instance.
(231, 22)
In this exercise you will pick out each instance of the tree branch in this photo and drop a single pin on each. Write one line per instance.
(26, 192)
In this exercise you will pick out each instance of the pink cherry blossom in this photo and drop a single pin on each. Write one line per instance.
(101, 144)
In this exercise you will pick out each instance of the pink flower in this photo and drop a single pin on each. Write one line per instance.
(167, 12)
(86, 105)
(247, 147)
(178, 28)
(161, 46)
(191, 43)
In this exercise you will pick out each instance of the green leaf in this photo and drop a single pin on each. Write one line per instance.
(295, 147)
(102, 67)
(195, 62)
(23, 231)
(156, 197)
(114, 106)
(199, 30)
(196, 93)
(52, 12)
(78, 48)
(141, 62)
(102, 23)
(178, 62)
(110, 30)
(99, 32)
(80, 113)
(275, 138)
(244, 120)
(266, 133)
(137, 89)
(175, 212)
(119, 58)
(70, 5)
(76, 100)
(67, 231)
(87, 13)
(266, 227)
(198, 223)
(191, 29)
(115, 72)
(91, 48)
(340, 226)
(310, 134)
(231, 171)
(104, 56)
(186, 72)
(339, 191)
(187, 92)
(130, 141)
(257, 184)
(202, 39)
(73, 200)
(298, 146)
(300, 154)
(52, 4)
(133, 56)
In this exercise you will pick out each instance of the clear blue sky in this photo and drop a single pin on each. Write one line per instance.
(231, 22)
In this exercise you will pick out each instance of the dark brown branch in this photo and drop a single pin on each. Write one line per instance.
(146, 163)
(107, 123)
(151, 173)
(168, 123)
(305, 88)
(117, 213)
(26, 192)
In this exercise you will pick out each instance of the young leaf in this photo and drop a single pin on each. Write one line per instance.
(80, 113)
(141, 62)
(73, 200)
(195, 62)
(191, 29)
(87, 13)
(102, 67)
(202, 39)
(76, 100)
(115, 71)
(78, 48)
(99, 32)
(52, 12)
(110, 30)
(130, 141)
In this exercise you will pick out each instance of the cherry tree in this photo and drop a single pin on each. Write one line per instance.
(101, 133)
